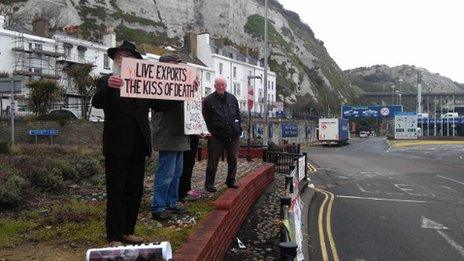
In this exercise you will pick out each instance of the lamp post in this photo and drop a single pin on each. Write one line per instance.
(399, 98)
(393, 94)
(250, 77)
(266, 113)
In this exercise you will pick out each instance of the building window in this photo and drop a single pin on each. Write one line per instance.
(261, 80)
(234, 72)
(220, 68)
(106, 61)
(81, 55)
(260, 94)
(37, 46)
(67, 52)
(237, 89)
(208, 76)
(207, 90)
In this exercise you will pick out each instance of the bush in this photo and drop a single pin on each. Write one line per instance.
(47, 181)
(87, 167)
(66, 169)
(5, 147)
(11, 187)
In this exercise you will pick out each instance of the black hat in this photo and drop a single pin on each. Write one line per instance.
(170, 57)
(125, 46)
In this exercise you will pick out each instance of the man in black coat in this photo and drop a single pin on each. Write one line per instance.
(126, 143)
(222, 116)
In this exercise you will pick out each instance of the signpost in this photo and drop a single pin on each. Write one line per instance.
(50, 133)
(11, 86)
(289, 130)
(376, 111)
(405, 126)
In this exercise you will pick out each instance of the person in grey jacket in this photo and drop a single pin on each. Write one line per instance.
(169, 139)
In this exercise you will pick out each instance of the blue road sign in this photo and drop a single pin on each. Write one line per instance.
(289, 130)
(51, 132)
(376, 111)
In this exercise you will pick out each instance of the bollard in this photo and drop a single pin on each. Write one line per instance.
(289, 182)
(199, 151)
(287, 251)
(285, 201)
(306, 164)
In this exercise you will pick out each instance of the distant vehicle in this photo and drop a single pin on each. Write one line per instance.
(333, 131)
(62, 114)
(364, 134)
(450, 115)
(422, 115)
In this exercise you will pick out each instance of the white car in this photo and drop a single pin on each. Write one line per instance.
(364, 134)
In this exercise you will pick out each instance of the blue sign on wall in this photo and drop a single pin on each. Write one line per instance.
(51, 132)
(376, 111)
(289, 130)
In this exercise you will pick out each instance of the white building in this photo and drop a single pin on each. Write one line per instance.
(25, 54)
(235, 68)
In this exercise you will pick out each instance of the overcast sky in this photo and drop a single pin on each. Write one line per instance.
(424, 33)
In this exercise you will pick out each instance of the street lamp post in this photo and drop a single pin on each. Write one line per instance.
(393, 94)
(266, 113)
(250, 77)
(399, 98)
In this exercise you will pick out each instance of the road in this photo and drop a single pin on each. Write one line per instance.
(387, 204)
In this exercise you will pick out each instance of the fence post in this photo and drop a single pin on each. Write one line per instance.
(287, 251)
(306, 164)
(264, 155)
(289, 181)
(199, 152)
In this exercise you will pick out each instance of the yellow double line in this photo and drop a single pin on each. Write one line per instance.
(329, 197)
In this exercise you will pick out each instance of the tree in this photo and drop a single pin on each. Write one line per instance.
(42, 94)
(85, 84)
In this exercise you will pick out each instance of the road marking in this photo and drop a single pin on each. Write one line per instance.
(428, 223)
(360, 188)
(448, 188)
(321, 228)
(329, 227)
(453, 243)
(383, 199)
(404, 188)
(457, 181)
(311, 168)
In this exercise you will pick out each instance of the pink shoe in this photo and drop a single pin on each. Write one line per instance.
(194, 193)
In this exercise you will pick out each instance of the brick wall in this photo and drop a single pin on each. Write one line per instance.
(215, 233)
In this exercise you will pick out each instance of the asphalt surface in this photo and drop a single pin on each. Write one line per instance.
(389, 204)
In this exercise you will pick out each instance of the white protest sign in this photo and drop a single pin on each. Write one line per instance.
(155, 80)
(194, 123)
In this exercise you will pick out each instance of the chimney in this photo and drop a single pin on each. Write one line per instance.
(2, 22)
(190, 44)
(109, 37)
(40, 26)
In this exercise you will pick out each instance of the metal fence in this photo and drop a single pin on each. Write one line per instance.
(282, 158)
(291, 236)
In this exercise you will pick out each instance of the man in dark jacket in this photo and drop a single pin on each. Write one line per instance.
(222, 116)
(171, 142)
(126, 143)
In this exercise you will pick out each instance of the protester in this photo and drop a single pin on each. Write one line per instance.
(222, 116)
(171, 142)
(126, 143)
(185, 184)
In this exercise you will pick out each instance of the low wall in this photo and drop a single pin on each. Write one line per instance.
(217, 230)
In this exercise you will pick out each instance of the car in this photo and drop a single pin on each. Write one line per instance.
(364, 134)
(62, 114)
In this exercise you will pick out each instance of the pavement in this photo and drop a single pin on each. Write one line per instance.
(376, 202)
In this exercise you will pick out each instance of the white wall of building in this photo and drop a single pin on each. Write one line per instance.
(236, 74)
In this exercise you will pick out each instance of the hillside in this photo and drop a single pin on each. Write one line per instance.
(307, 75)
(380, 78)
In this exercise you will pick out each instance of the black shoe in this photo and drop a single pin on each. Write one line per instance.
(232, 185)
(211, 189)
(179, 210)
(161, 216)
